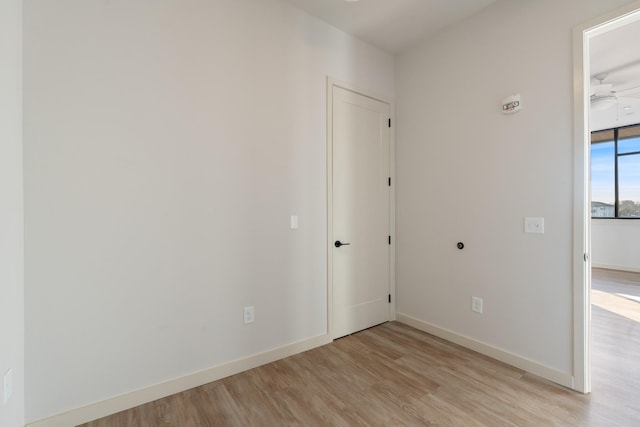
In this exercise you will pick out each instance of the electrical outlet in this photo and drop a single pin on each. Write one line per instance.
(7, 386)
(249, 315)
(476, 304)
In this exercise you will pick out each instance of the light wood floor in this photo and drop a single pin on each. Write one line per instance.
(394, 375)
(615, 337)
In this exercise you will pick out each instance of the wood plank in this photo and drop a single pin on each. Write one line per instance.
(395, 375)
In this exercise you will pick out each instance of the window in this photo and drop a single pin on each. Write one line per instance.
(615, 173)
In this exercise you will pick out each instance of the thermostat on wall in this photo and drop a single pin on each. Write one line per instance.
(511, 104)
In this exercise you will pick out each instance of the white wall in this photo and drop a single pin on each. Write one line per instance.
(166, 145)
(11, 240)
(466, 172)
(615, 244)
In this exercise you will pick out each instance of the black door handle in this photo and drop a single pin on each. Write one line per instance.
(338, 243)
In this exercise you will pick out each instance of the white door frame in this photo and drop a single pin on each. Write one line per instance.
(331, 84)
(582, 189)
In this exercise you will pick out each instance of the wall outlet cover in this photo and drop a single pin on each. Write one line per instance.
(249, 315)
(476, 304)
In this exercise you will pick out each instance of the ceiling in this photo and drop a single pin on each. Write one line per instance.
(392, 25)
(617, 53)
(397, 25)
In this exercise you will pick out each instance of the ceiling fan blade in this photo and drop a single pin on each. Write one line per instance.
(601, 103)
(601, 89)
(632, 91)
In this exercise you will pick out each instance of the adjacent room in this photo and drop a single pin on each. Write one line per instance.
(194, 212)
(615, 205)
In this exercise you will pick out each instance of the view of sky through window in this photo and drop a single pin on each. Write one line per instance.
(603, 173)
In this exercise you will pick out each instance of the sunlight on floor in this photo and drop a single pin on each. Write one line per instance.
(631, 297)
(623, 305)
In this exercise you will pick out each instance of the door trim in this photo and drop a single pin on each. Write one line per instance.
(331, 84)
(582, 190)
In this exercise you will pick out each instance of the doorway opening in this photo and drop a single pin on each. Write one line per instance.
(592, 94)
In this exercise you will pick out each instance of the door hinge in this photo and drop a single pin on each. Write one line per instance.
(389, 298)
(389, 239)
(389, 122)
(389, 181)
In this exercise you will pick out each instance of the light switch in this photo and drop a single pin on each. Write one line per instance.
(293, 222)
(534, 225)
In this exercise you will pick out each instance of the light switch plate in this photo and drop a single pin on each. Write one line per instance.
(7, 386)
(293, 222)
(534, 225)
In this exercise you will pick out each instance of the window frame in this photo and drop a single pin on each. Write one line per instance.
(616, 156)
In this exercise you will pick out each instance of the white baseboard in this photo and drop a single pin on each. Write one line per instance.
(135, 398)
(520, 362)
(616, 267)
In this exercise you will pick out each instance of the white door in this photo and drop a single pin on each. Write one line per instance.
(361, 203)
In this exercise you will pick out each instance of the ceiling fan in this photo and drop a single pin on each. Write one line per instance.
(603, 96)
